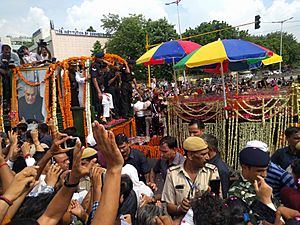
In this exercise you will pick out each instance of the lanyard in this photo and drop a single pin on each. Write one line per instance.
(192, 187)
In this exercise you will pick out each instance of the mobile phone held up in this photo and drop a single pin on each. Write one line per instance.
(263, 212)
(215, 186)
(70, 143)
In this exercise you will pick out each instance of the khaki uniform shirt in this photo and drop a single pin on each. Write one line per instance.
(179, 185)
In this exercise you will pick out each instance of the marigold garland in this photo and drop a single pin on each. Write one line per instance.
(14, 115)
(64, 90)
(60, 99)
(67, 95)
(85, 130)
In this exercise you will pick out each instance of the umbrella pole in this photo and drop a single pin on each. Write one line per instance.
(174, 76)
(224, 91)
(149, 76)
(237, 83)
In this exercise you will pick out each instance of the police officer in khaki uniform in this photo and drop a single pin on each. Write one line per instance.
(185, 180)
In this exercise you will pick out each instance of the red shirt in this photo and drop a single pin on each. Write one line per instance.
(290, 198)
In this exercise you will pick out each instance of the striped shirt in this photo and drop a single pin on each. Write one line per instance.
(278, 178)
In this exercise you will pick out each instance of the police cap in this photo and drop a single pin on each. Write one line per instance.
(99, 55)
(88, 152)
(194, 144)
(252, 156)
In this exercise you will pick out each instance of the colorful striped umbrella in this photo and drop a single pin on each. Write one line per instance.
(229, 53)
(168, 52)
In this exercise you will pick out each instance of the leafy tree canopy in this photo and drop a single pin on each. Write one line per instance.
(91, 29)
(97, 47)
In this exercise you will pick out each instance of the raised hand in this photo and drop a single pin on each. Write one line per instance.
(163, 220)
(53, 175)
(56, 145)
(53, 130)
(78, 170)
(21, 183)
(14, 152)
(76, 209)
(13, 137)
(185, 205)
(25, 148)
(263, 190)
(144, 200)
(35, 135)
(96, 177)
(106, 142)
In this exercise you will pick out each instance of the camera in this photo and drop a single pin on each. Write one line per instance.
(70, 143)
(42, 43)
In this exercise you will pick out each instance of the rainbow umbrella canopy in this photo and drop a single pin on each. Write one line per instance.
(234, 54)
(225, 55)
(168, 52)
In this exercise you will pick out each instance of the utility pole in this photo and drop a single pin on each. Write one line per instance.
(281, 28)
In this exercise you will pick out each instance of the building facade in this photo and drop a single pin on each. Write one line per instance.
(64, 44)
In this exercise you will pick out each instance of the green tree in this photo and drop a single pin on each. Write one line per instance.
(110, 23)
(129, 39)
(97, 47)
(161, 31)
(91, 29)
(290, 46)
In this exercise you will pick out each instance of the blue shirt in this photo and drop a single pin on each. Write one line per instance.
(224, 173)
(278, 178)
(283, 157)
(162, 165)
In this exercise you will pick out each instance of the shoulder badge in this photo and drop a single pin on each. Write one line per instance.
(211, 166)
(172, 168)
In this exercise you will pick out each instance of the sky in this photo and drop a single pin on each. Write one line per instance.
(24, 17)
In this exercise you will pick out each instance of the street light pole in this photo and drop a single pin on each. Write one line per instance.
(281, 29)
(177, 2)
(281, 26)
(178, 15)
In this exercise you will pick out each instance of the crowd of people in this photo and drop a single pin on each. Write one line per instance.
(48, 177)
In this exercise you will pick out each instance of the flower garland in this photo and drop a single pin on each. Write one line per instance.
(1, 106)
(14, 115)
(256, 107)
(86, 102)
(113, 59)
(54, 99)
(60, 98)
(67, 95)
(88, 107)
(128, 128)
(17, 71)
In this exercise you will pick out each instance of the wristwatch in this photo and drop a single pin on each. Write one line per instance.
(67, 184)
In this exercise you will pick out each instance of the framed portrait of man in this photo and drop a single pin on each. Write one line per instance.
(31, 99)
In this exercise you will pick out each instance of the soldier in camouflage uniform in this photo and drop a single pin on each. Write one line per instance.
(254, 163)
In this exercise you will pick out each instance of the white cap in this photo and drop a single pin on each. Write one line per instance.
(257, 144)
(91, 140)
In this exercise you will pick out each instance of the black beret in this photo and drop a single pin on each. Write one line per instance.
(99, 55)
(131, 62)
(254, 157)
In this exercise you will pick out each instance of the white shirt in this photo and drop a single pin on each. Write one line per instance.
(138, 107)
(32, 57)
